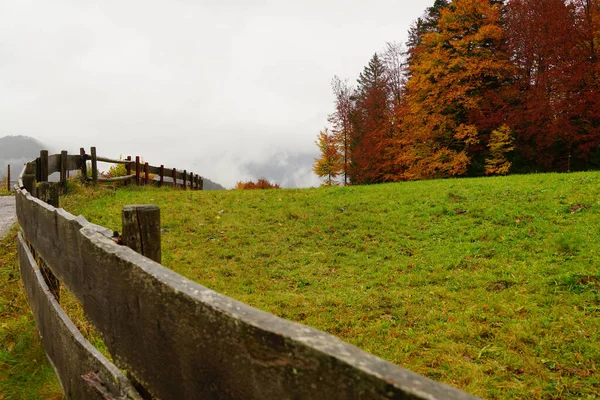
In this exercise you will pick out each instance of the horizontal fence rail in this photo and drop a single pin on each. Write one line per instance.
(71, 354)
(138, 172)
(180, 340)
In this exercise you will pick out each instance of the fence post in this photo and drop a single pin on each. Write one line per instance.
(141, 230)
(184, 179)
(43, 165)
(48, 192)
(201, 183)
(30, 183)
(128, 168)
(137, 170)
(174, 178)
(196, 181)
(94, 165)
(63, 170)
(162, 175)
(83, 165)
(146, 174)
(8, 179)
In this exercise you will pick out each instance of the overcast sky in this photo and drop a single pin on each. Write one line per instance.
(230, 89)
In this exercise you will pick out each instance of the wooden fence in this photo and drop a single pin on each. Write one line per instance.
(136, 172)
(175, 338)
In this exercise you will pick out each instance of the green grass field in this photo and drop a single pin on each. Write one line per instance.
(490, 285)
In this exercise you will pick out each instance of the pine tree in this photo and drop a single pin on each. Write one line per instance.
(370, 122)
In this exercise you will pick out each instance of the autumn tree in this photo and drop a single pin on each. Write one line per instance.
(500, 145)
(261, 183)
(370, 121)
(553, 44)
(427, 23)
(394, 60)
(331, 162)
(455, 72)
(340, 121)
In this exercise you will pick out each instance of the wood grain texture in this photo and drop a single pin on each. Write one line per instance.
(116, 179)
(94, 165)
(83, 164)
(44, 166)
(141, 230)
(54, 162)
(63, 170)
(71, 355)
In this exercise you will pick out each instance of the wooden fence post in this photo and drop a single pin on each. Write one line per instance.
(141, 230)
(184, 178)
(30, 183)
(8, 179)
(63, 170)
(162, 175)
(128, 168)
(43, 165)
(196, 181)
(201, 183)
(83, 165)
(146, 174)
(48, 192)
(137, 170)
(94, 165)
(174, 178)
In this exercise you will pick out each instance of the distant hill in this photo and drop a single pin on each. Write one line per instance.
(16, 151)
(210, 185)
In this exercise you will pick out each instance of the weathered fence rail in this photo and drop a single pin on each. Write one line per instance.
(176, 338)
(45, 165)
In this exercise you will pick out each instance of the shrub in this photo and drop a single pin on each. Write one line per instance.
(262, 183)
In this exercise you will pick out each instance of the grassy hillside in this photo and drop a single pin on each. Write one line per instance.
(491, 285)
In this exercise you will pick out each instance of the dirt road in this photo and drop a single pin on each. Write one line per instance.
(8, 214)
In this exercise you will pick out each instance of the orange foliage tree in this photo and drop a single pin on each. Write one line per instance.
(262, 183)
(487, 87)
(331, 162)
(455, 73)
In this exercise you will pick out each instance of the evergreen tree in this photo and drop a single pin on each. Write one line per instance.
(370, 120)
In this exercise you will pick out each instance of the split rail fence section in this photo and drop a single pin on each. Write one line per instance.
(136, 172)
(175, 338)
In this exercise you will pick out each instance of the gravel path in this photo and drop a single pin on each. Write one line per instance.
(8, 214)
